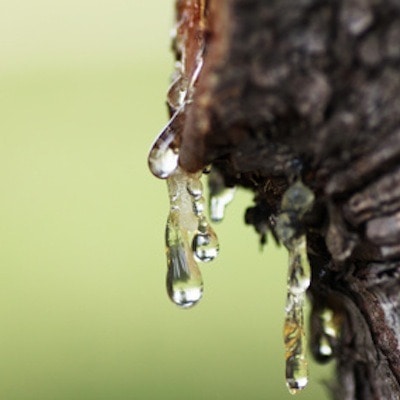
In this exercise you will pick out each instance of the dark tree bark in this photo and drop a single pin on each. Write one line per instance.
(311, 88)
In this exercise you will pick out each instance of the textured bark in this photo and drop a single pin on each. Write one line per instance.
(312, 88)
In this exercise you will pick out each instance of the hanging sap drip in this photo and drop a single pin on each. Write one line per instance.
(218, 203)
(184, 281)
(294, 329)
(189, 237)
(296, 201)
(188, 43)
(205, 242)
(177, 92)
(326, 325)
(328, 332)
(220, 195)
(163, 156)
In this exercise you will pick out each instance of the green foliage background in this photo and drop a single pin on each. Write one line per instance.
(83, 310)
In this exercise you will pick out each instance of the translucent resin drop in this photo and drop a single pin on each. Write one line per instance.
(327, 325)
(296, 201)
(177, 92)
(205, 242)
(218, 203)
(184, 281)
(189, 237)
(163, 156)
(220, 195)
(294, 328)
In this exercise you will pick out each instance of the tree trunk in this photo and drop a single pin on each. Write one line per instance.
(311, 89)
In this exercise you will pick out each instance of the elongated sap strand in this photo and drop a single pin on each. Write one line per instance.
(296, 201)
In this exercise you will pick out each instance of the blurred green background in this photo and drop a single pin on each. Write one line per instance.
(83, 309)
